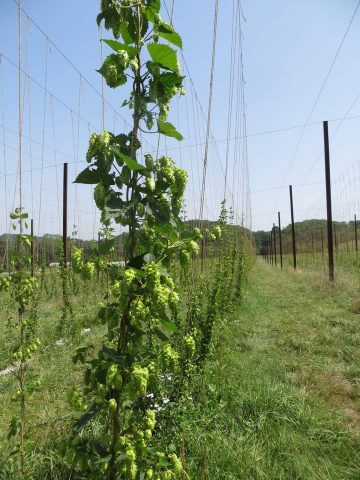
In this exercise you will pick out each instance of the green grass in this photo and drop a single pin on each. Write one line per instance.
(281, 398)
(49, 416)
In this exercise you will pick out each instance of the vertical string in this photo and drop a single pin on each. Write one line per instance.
(43, 134)
(102, 83)
(209, 110)
(20, 109)
(30, 147)
(76, 207)
(55, 158)
(7, 228)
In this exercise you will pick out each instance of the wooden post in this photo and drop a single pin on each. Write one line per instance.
(328, 202)
(356, 234)
(293, 225)
(274, 233)
(65, 195)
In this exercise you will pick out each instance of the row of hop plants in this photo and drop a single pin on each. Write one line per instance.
(159, 311)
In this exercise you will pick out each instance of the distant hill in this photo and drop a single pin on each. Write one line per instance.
(309, 233)
(47, 247)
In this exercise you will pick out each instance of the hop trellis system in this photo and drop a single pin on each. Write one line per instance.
(159, 306)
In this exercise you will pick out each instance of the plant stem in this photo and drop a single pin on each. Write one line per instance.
(21, 375)
(125, 318)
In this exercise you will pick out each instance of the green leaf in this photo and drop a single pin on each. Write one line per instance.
(164, 55)
(152, 8)
(103, 460)
(84, 419)
(169, 130)
(166, 31)
(92, 177)
(115, 214)
(149, 257)
(14, 215)
(130, 162)
(106, 245)
(163, 462)
(126, 34)
(25, 239)
(81, 352)
(88, 177)
(13, 428)
(118, 47)
(161, 335)
(168, 325)
(115, 203)
(170, 79)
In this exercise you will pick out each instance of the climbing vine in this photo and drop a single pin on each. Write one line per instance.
(133, 372)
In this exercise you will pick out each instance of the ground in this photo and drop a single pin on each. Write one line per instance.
(284, 383)
(279, 398)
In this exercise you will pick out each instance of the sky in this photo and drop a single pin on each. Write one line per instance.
(288, 48)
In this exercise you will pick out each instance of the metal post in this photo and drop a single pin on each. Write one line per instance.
(280, 242)
(271, 249)
(32, 248)
(274, 233)
(293, 225)
(356, 235)
(328, 202)
(65, 192)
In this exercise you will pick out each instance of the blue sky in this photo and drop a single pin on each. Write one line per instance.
(288, 49)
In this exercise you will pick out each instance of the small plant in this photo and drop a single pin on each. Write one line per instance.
(23, 290)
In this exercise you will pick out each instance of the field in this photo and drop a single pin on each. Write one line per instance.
(160, 340)
(279, 397)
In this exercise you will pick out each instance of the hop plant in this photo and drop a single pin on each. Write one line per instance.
(184, 258)
(150, 184)
(181, 180)
(113, 70)
(176, 203)
(194, 247)
(152, 275)
(190, 346)
(150, 419)
(88, 270)
(170, 357)
(92, 150)
(139, 379)
(141, 302)
(217, 232)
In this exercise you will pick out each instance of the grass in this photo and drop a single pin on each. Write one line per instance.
(49, 416)
(279, 398)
